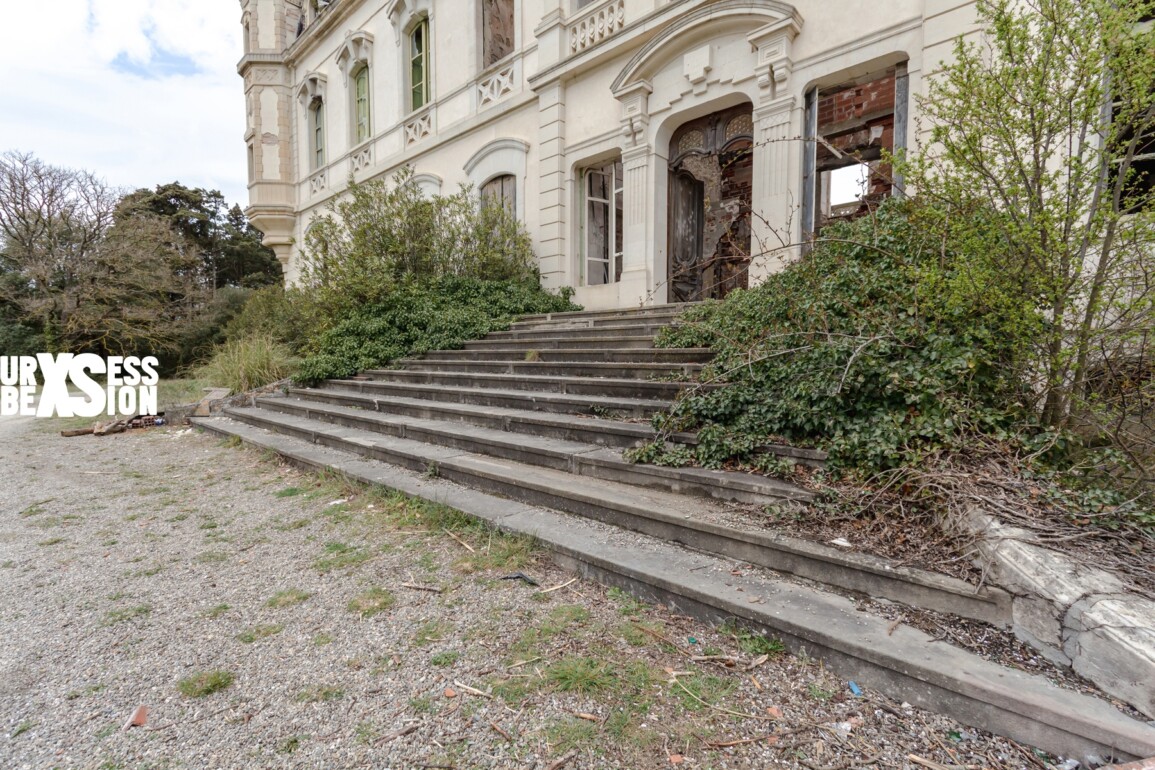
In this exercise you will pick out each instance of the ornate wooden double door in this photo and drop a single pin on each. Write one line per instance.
(711, 179)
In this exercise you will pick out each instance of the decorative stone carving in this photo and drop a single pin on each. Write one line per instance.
(362, 159)
(356, 50)
(596, 25)
(319, 182)
(313, 87)
(492, 88)
(418, 128)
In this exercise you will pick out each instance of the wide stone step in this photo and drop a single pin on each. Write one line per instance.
(576, 457)
(897, 660)
(578, 329)
(650, 311)
(569, 426)
(627, 356)
(592, 369)
(537, 400)
(561, 343)
(608, 387)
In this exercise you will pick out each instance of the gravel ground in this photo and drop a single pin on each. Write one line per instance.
(352, 631)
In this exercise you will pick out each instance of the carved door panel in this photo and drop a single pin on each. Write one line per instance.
(713, 157)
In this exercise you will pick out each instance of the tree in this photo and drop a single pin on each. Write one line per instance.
(1041, 147)
(229, 248)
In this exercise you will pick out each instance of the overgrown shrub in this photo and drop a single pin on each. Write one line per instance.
(861, 347)
(247, 363)
(287, 316)
(439, 314)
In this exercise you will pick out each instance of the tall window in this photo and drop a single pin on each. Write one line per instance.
(496, 30)
(317, 129)
(361, 128)
(501, 191)
(602, 223)
(419, 65)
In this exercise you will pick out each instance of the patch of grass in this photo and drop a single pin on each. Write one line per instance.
(320, 640)
(52, 541)
(579, 674)
(569, 734)
(256, 633)
(706, 687)
(247, 363)
(112, 617)
(627, 604)
(212, 557)
(422, 705)
(371, 602)
(289, 492)
(290, 597)
(35, 509)
(232, 442)
(341, 556)
(446, 658)
(559, 619)
(513, 690)
(215, 612)
(8, 564)
(320, 694)
(433, 631)
(294, 524)
(22, 728)
(156, 569)
(750, 642)
(205, 683)
(209, 524)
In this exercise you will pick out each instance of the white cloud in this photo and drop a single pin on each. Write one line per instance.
(142, 92)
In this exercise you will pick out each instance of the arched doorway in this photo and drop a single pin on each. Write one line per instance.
(711, 179)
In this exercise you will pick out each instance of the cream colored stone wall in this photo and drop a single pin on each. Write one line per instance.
(616, 77)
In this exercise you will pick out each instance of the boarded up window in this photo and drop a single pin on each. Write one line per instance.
(496, 30)
(501, 191)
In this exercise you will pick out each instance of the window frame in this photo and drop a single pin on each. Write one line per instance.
(489, 59)
(317, 132)
(362, 107)
(419, 32)
(490, 196)
(610, 266)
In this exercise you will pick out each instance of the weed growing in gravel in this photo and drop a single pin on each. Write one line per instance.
(371, 602)
(578, 674)
(341, 556)
(22, 728)
(113, 617)
(817, 693)
(434, 631)
(569, 734)
(8, 564)
(320, 694)
(751, 643)
(287, 598)
(698, 690)
(320, 640)
(289, 492)
(255, 633)
(216, 611)
(294, 524)
(446, 658)
(422, 705)
(52, 541)
(232, 442)
(35, 509)
(627, 604)
(290, 744)
(212, 557)
(205, 683)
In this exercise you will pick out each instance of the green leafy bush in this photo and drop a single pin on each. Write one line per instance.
(862, 347)
(440, 314)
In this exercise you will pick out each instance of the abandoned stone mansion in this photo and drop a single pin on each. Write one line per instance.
(654, 149)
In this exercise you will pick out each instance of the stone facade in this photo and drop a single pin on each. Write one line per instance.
(555, 92)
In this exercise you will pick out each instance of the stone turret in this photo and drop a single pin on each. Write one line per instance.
(270, 27)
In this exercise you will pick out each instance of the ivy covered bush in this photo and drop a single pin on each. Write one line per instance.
(873, 346)
(439, 314)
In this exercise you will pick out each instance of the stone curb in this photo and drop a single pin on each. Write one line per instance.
(1074, 615)
(903, 663)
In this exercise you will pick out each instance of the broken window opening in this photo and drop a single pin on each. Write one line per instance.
(854, 125)
(496, 31)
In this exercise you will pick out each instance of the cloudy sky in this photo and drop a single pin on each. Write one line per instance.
(141, 92)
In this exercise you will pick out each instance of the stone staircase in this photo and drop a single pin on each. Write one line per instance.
(526, 429)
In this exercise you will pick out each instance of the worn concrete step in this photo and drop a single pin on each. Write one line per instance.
(561, 343)
(607, 387)
(576, 457)
(632, 369)
(899, 661)
(554, 402)
(523, 419)
(626, 356)
(609, 332)
(649, 311)
(569, 466)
